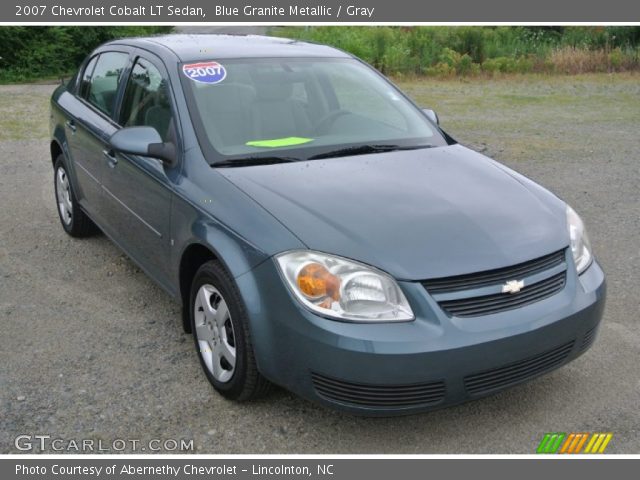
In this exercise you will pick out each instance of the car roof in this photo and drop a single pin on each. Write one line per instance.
(197, 47)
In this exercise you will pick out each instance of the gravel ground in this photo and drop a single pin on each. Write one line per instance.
(90, 347)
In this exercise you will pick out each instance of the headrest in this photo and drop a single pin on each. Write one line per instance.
(274, 91)
(228, 94)
(274, 84)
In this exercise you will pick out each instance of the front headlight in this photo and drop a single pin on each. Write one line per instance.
(343, 289)
(580, 245)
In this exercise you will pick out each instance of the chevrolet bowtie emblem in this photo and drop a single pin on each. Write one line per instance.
(513, 286)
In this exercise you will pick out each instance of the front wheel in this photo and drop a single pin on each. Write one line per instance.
(220, 329)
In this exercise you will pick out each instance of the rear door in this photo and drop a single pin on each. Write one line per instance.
(91, 123)
(139, 188)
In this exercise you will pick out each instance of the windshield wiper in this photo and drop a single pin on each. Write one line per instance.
(364, 149)
(250, 161)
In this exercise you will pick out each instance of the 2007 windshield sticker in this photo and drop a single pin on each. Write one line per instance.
(205, 72)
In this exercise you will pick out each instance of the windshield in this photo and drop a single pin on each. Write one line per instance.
(300, 108)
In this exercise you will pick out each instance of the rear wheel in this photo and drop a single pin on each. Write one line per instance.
(220, 330)
(74, 221)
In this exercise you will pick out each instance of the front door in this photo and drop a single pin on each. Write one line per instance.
(138, 188)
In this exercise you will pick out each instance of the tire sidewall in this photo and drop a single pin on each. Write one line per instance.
(210, 273)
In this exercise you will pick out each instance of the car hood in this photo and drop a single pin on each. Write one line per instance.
(416, 214)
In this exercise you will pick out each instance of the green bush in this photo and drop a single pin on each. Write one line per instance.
(467, 50)
(30, 53)
(35, 52)
(615, 58)
(441, 69)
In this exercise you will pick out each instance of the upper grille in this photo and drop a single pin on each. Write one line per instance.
(367, 395)
(451, 293)
(493, 277)
(502, 377)
(488, 304)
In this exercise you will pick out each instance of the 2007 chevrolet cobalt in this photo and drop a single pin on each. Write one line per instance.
(320, 230)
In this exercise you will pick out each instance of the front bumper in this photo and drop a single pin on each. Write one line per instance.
(434, 361)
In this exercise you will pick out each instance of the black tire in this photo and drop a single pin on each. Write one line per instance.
(246, 383)
(79, 225)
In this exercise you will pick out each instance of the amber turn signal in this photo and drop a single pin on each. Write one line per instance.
(315, 281)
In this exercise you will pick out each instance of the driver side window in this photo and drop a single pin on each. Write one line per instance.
(101, 78)
(146, 100)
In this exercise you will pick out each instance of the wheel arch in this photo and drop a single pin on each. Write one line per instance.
(56, 150)
(192, 258)
(199, 239)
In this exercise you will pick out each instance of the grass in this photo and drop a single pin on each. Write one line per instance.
(25, 112)
(523, 115)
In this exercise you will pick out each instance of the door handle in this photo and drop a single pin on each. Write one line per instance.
(72, 125)
(111, 157)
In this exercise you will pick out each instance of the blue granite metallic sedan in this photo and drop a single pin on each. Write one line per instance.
(320, 230)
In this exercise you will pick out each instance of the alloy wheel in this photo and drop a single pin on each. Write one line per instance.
(63, 195)
(214, 332)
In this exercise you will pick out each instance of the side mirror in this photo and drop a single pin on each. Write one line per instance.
(143, 141)
(433, 116)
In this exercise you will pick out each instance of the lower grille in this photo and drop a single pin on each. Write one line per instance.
(367, 395)
(500, 302)
(499, 378)
(588, 338)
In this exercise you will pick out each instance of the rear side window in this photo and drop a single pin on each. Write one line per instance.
(100, 86)
(146, 100)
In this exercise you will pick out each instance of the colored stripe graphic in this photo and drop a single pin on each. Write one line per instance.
(551, 442)
(572, 443)
(598, 443)
(568, 443)
(591, 442)
(605, 442)
(543, 443)
(581, 443)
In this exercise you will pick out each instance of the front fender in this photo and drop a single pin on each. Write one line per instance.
(236, 254)
(195, 228)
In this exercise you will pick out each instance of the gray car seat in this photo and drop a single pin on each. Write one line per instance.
(225, 112)
(159, 117)
(275, 114)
